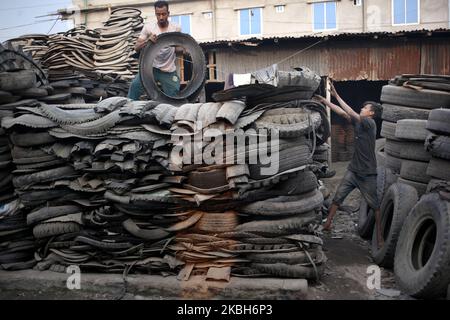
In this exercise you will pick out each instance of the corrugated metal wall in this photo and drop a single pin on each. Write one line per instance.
(343, 60)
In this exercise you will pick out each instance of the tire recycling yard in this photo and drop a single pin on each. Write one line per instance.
(123, 191)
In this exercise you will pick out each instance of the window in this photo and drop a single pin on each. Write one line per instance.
(357, 3)
(250, 21)
(279, 9)
(405, 12)
(207, 15)
(324, 14)
(184, 21)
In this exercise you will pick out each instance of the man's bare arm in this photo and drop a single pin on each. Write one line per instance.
(344, 105)
(333, 107)
(141, 43)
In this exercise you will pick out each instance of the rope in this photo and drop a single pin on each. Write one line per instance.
(279, 62)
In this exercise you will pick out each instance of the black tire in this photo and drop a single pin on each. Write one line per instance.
(393, 148)
(26, 153)
(421, 188)
(285, 205)
(409, 150)
(388, 130)
(46, 230)
(439, 168)
(15, 257)
(31, 139)
(289, 271)
(291, 122)
(439, 121)
(296, 257)
(366, 220)
(410, 129)
(49, 213)
(438, 146)
(396, 205)
(426, 99)
(414, 151)
(289, 158)
(415, 171)
(303, 182)
(422, 257)
(19, 80)
(149, 54)
(393, 163)
(393, 113)
(380, 154)
(286, 226)
(43, 176)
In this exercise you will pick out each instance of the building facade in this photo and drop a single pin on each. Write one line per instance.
(215, 20)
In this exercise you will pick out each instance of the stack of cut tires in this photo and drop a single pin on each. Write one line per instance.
(102, 189)
(415, 210)
(117, 185)
(17, 244)
(115, 48)
(6, 187)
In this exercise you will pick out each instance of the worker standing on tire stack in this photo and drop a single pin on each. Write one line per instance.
(362, 171)
(164, 68)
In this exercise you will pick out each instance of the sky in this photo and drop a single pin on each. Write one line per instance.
(19, 17)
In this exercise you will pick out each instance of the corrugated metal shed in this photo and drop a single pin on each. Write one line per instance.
(375, 57)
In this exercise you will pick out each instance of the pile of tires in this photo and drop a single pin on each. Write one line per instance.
(415, 210)
(403, 103)
(102, 187)
(438, 144)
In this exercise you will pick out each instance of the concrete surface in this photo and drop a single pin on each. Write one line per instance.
(49, 285)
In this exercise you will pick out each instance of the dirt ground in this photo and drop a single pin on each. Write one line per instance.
(349, 257)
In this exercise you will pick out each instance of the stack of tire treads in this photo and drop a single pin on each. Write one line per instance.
(72, 84)
(407, 103)
(17, 244)
(20, 80)
(34, 44)
(115, 48)
(106, 188)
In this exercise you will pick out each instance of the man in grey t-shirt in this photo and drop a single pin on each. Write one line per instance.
(362, 171)
(164, 68)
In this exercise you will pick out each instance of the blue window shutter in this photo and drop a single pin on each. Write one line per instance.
(412, 14)
(399, 11)
(331, 15)
(319, 16)
(245, 22)
(255, 18)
